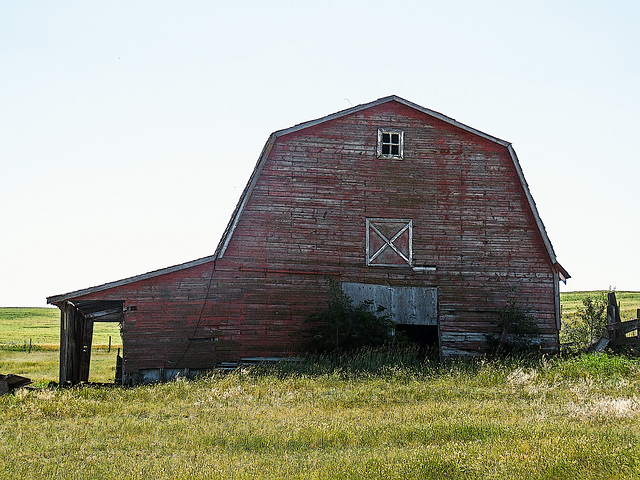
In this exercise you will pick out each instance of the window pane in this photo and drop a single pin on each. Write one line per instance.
(385, 149)
(395, 138)
(395, 149)
(386, 138)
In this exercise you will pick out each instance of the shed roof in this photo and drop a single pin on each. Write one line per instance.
(125, 281)
(246, 194)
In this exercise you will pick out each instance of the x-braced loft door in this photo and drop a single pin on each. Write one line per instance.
(389, 242)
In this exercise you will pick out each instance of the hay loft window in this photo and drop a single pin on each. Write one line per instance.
(390, 143)
(389, 242)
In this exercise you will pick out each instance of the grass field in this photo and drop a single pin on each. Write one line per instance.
(365, 417)
(41, 327)
(572, 418)
(42, 366)
(629, 302)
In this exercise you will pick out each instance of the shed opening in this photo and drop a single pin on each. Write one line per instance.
(76, 336)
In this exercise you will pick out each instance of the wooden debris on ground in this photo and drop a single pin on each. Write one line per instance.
(11, 382)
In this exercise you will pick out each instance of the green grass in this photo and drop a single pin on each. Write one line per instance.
(42, 326)
(629, 302)
(42, 366)
(373, 415)
(573, 418)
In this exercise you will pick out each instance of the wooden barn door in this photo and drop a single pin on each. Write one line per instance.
(414, 309)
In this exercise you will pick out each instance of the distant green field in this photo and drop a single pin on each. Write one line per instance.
(41, 326)
(629, 302)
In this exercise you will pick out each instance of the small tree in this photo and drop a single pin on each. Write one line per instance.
(591, 321)
(343, 326)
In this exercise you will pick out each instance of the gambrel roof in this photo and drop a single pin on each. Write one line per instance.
(246, 194)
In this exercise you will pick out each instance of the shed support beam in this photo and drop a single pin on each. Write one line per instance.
(76, 334)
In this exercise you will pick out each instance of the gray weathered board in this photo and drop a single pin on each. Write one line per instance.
(406, 305)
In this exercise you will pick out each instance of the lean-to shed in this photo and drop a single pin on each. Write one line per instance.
(429, 217)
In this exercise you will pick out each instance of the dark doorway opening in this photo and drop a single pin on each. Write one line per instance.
(424, 336)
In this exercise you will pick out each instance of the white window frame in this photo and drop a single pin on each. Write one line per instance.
(390, 131)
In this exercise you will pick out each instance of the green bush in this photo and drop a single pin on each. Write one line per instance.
(588, 326)
(343, 326)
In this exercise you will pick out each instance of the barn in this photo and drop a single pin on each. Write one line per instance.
(424, 215)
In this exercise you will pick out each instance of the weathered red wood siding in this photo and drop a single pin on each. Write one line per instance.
(305, 217)
(246, 314)
(470, 215)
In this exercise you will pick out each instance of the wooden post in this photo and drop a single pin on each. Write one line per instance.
(118, 379)
(613, 316)
(67, 344)
(86, 327)
(109, 351)
(76, 334)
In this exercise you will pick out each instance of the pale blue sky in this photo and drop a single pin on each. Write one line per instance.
(129, 129)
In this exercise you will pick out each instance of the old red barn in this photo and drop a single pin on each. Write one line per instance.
(429, 217)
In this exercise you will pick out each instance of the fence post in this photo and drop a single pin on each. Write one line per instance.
(612, 317)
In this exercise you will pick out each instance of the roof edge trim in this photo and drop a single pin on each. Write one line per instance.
(125, 281)
(564, 275)
(415, 106)
(532, 205)
(244, 198)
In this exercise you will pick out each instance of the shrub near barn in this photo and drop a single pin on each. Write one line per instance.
(343, 326)
(587, 326)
